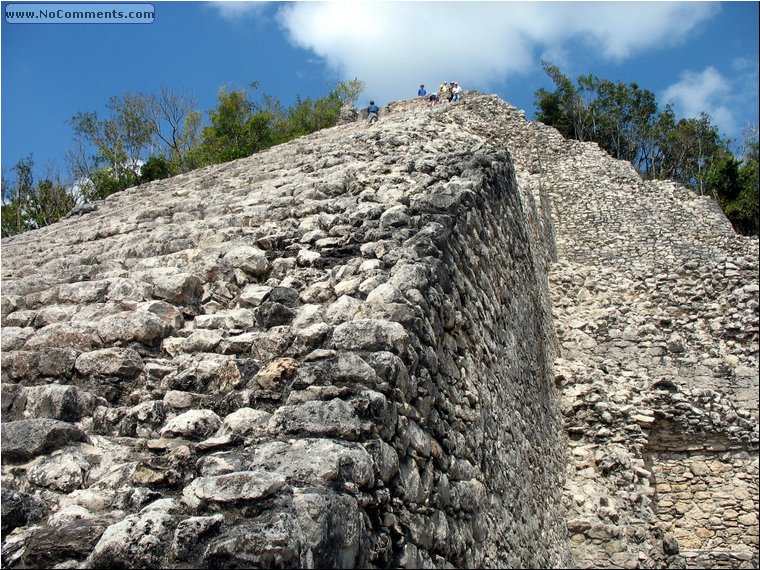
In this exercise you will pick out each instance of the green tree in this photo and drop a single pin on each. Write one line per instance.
(176, 124)
(155, 168)
(109, 151)
(735, 184)
(564, 108)
(689, 148)
(348, 91)
(623, 117)
(238, 128)
(28, 205)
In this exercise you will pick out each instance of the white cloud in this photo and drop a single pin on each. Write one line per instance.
(711, 92)
(697, 92)
(395, 46)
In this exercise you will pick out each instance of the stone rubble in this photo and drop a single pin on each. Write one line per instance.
(449, 339)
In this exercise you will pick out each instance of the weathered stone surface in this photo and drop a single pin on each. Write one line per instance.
(369, 334)
(233, 488)
(180, 288)
(327, 520)
(20, 509)
(137, 326)
(139, 541)
(190, 533)
(270, 539)
(80, 336)
(246, 422)
(253, 295)
(51, 401)
(195, 424)
(122, 363)
(25, 439)
(334, 418)
(62, 472)
(63, 543)
(315, 461)
(396, 324)
(250, 259)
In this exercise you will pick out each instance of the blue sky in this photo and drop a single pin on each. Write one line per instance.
(701, 56)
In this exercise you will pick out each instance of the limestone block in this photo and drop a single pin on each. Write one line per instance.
(14, 337)
(202, 340)
(53, 401)
(56, 362)
(25, 439)
(276, 374)
(385, 293)
(143, 419)
(80, 336)
(311, 461)
(195, 424)
(326, 519)
(318, 293)
(53, 314)
(139, 541)
(169, 314)
(129, 290)
(221, 463)
(62, 543)
(123, 363)
(271, 314)
(334, 418)
(307, 258)
(467, 495)
(232, 488)
(239, 319)
(246, 422)
(257, 542)
(189, 533)
(410, 483)
(342, 310)
(178, 288)
(250, 259)
(63, 471)
(179, 400)
(140, 326)
(385, 459)
(20, 319)
(19, 509)
(370, 334)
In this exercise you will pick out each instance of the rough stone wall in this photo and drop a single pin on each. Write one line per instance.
(655, 301)
(336, 353)
(339, 353)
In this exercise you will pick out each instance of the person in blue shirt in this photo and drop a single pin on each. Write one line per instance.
(421, 92)
(372, 112)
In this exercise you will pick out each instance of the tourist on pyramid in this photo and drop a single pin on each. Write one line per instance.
(456, 92)
(372, 112)
(421, 92)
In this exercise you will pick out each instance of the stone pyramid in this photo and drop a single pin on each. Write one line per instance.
(448, 339)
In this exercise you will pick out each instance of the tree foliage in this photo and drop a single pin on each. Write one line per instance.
(27, 204)
(145, 137)
(624, 119)
(734, 183)
(109, 150)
